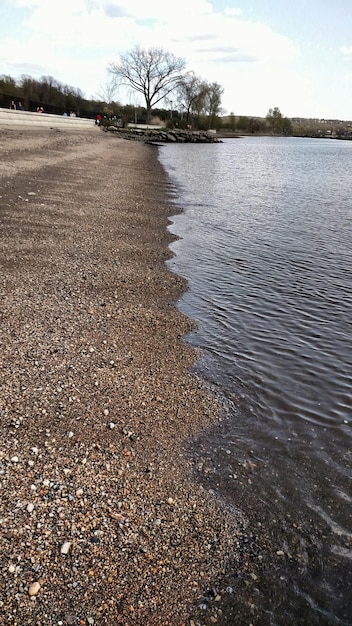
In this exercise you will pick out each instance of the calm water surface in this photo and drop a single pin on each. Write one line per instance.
(265, 243)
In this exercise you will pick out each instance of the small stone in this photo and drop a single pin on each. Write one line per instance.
(12, 569)
(70, 434)
(34, 589)
(14, 459)
(106, 411)
(65, 548)
(170, 501)
(112, 425)
(30, 507)
(280, 553)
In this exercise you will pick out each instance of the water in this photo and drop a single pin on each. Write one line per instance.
(265, 243)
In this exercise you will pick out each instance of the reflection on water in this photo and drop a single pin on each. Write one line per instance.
(265, 245)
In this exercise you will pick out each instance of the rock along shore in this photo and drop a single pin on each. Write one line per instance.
(151, 135)
(100, 519)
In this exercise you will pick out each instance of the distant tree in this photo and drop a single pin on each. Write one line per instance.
(278, 125)
(7, 82)
(212, 101)
(9, 86)
(256, 126)
(154, 73)
(199, 106)
(287, 127)
(232, 121)
(243, 122)
(191, 91)
(30, 88)
(274, 120)
(108, 90)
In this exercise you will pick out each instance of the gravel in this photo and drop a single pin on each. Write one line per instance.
(101, 521)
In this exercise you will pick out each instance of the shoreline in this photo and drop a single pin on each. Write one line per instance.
(100, 510)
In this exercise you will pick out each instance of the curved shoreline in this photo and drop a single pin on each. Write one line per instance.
(97, 402)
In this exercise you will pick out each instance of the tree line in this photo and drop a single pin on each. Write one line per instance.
(176, 96)
(155, 74)
(55, 97)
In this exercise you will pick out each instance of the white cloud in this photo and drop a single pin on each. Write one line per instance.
(158, 9)
(120, 24)
(233, 12)
(346, 51)
(253, 91)
(75, 40)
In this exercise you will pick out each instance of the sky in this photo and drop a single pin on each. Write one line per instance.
(291, 54)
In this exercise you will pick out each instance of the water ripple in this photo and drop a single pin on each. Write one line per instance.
(265, 246)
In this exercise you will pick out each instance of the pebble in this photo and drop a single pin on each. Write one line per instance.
(30, 507)
(65, 548)
(101, 547)
(34, 589)
(14, 459)
(112, 425)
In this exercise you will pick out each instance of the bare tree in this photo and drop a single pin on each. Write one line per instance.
(108, 90)
(154, 73)
(212, 107)
(191, 94)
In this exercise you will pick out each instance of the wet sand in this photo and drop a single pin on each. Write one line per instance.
(100, 518)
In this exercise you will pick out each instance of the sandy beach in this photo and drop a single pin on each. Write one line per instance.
(101, 520)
